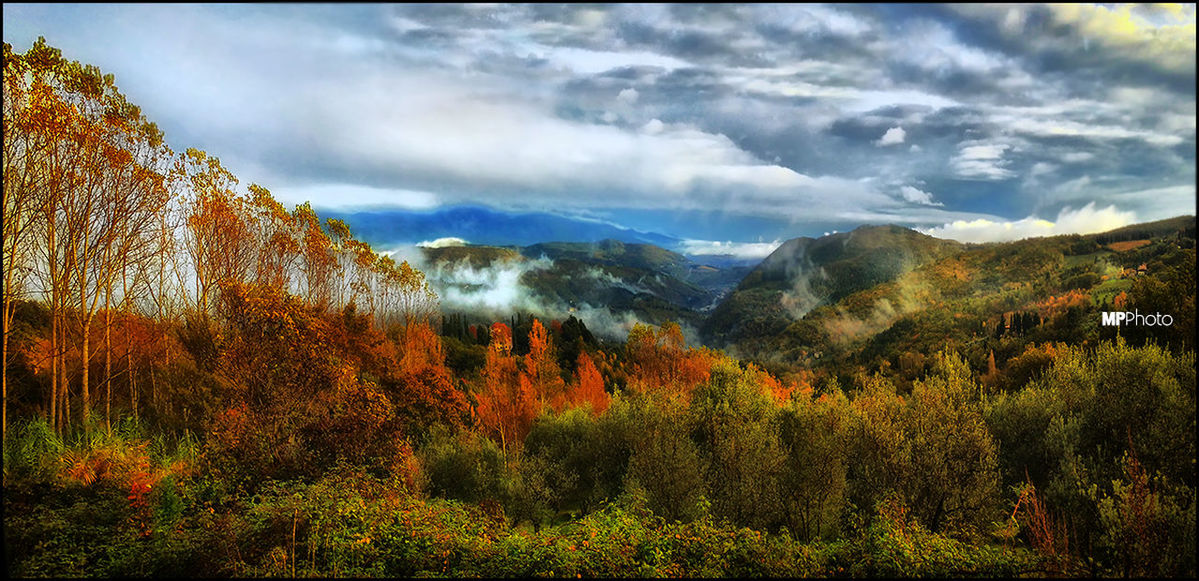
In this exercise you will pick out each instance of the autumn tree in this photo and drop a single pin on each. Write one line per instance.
(507, 402)
(661, 361)
(588, 386)
(274, 237)
(423, 387)
(94, 165)
(218, 233)
(541, 368)
(933, 450)
(733, 419)
(814, 433)
(20, 211)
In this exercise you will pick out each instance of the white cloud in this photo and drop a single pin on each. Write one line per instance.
(808, 19)
(1057, 127)
(447, 242)
(917, 196)
(981, 161)
(1153, 35)
(652, 127)
(593, 61)
(738, 249)
(1085, 220)
(893, 136)
(628, 96)
(931, 46)
(344, 196)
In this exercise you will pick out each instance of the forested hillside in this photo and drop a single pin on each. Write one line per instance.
(200, 382)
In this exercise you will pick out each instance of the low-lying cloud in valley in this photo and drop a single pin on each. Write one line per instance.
(495, 291)
(745, 250)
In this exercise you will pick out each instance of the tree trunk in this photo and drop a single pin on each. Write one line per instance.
(84, 359)
(64, 386)
(107, 364)
(4, 373)
(153, 389)
(54, 411)
(133, 391)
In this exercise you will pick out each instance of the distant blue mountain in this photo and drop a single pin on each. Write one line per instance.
(482, 225)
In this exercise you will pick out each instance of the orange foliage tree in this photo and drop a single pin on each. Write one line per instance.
(425, 391)
(541, 367)
(661, 361)
(588, 387)
(507, 403)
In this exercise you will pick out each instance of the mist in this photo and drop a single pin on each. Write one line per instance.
(495, 292)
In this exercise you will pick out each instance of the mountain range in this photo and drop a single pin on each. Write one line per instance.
(852, 295)
(486, 226)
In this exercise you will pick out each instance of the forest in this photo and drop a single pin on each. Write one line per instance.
(200, 382)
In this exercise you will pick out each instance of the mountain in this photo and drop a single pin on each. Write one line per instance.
(983, 300)
(611, 282)
(1183, 226)
(805, 273)
(486, 226)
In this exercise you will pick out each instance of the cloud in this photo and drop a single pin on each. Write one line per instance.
(737, 249)
(1168, 43)
(492, 289)
(446, 242)
(917, 196)
(981, 161)
(1085, 220)
(786, 112)
(348, 196)
(496, 291)
(893, 136)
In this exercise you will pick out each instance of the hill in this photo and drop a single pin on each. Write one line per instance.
(993, 300)
(805, 273)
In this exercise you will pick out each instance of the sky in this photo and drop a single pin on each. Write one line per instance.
(730, 127)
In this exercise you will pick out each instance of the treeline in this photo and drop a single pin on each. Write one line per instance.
(104, 223)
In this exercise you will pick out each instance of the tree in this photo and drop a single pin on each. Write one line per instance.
(664, 461)
(507, 402)
(274, 237)
(541, 366)
(733, 421)
(588, 387)
(93, 164)
(814, 433)
(219, 236)
(661, 361)
(955, 476)
(20, 203)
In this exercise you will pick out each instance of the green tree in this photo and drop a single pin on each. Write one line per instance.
(814, 432)
(734, 422)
